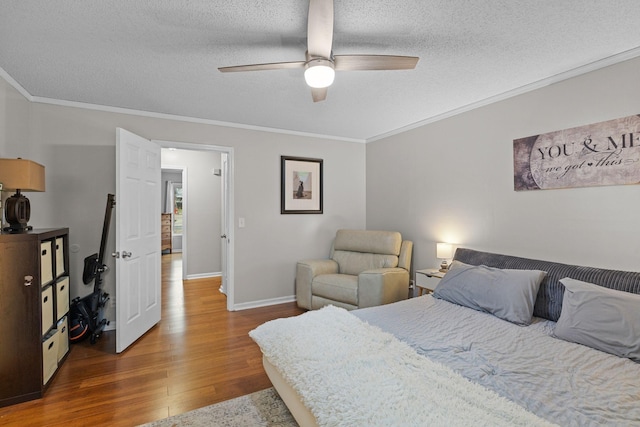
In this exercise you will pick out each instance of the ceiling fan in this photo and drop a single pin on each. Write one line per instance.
(321, 63)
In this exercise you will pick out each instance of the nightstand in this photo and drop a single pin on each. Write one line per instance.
(427, 280)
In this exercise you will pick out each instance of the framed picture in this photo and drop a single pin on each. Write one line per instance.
(301, 191)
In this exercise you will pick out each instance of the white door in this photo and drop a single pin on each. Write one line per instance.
(138, 280)
(224, 238)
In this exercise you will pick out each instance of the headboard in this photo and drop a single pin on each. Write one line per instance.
(549, 301)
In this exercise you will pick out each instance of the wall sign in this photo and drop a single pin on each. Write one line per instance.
(605, 153)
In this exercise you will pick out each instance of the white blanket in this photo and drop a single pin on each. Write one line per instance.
(349, 373)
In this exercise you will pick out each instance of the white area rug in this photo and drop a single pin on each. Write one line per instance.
(262, 408)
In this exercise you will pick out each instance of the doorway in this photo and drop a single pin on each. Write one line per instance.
(174, 188)
(220, 187)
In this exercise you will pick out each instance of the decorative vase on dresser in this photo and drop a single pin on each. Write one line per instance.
(34, 302)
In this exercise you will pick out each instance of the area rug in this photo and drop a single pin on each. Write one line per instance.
(262, 408)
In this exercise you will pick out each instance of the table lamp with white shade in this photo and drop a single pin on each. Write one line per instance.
(444, 251)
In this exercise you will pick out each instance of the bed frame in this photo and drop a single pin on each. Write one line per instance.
(289, 396)
(548, 304)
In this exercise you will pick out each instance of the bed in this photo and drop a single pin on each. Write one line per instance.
(569, 357)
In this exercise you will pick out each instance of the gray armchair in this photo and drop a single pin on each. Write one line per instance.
(364, 269)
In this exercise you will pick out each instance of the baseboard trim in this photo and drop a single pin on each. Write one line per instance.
(237, 307)
(263, 303)
(203, 275)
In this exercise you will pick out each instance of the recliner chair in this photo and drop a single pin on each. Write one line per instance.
(364, 269)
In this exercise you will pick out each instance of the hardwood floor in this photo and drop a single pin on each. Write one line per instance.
(197, 355)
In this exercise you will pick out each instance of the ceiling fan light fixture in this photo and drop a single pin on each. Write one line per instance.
(319, 73)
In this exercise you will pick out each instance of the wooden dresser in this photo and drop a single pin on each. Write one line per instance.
(165, 224)
(34, 302)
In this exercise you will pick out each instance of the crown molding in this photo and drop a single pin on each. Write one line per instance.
(187, 119)
(584, 69)
(17, 86)
(587, 68)
(142, 113)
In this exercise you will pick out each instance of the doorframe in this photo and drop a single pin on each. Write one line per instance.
(185, 196)
(228, 176)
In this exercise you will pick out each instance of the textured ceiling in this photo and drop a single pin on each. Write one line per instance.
(162, 56)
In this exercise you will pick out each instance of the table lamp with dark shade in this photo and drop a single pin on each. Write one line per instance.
(20, 175)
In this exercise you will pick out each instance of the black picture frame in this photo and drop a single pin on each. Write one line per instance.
(300, 185)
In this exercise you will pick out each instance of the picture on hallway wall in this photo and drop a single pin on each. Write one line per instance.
(605, 153)
(301, 185)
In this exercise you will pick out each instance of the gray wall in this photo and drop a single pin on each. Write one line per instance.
(447, 181)
(77, 147)
(14, 127)
(14, 120)
(456, 177)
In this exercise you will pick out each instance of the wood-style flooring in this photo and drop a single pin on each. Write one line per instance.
(197, 355)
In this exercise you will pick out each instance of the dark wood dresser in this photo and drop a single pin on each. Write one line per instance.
(34, 302)
(165, 224)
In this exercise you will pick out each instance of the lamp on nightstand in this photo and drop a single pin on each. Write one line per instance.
(444, 251)
(20, 175)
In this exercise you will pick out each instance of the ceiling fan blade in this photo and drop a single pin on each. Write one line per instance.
(319, 94)
(320, 28)
(261, 67)
(374, 62)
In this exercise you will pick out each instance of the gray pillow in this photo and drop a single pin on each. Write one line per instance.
(601, 318)
(507, 294)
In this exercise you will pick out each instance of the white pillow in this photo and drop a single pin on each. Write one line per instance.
(602, 318)
(507, 294)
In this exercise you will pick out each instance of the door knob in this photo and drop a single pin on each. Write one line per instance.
(126, 254)
(115, 254)
(224, 236)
